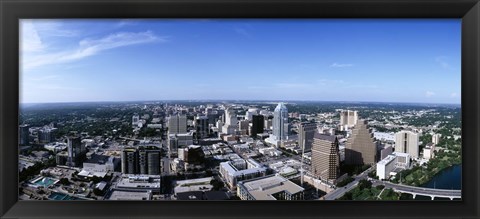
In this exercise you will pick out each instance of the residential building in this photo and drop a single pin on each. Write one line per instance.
(348, 117)
(407, 142)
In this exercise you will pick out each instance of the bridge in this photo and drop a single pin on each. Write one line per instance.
(441, 193)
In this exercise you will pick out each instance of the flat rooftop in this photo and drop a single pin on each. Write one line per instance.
(264, 188)
(124, 195)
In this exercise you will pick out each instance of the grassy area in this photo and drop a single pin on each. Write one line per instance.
(419, 175)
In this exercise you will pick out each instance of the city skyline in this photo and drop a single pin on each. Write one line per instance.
(315, 60)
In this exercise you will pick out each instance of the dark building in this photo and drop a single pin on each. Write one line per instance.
(47, 134)
(306, 131)
(258, 124)
(76, 151)
(24, 134)
(325, 157)
(201, 126)
(141, 161)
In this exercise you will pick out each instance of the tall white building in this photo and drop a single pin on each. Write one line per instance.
(436, 138)
(407, 142)
(280, 122)
(231, 122)
(177, 124)
(348, 117)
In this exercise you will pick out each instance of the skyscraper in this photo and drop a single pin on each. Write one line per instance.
(201, 126)
(348, 117)
(135, 119)
(407, 142)
(361, 148)
(231, 122)
(257, 125)
(24, 134)
(141, 161)
(76, 151)
(177, 124)
(306, 132)
(46, 134)
(280, 122)
(325, 157)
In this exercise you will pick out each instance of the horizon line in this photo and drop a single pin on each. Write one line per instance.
(238, 100)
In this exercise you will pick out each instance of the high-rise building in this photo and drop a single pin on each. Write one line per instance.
(250, 113)
(348, 117)
(177, 124)
(135, 119)
(361, 147)
(231, 122)
(257, 125)
(201, 126)
(325, 157)
(306, 132)
(243, 126)
(76, 151)
(280, 122)
(436, 138)
(46, 134)
(24, 134)
(407, 142)
(141, 161)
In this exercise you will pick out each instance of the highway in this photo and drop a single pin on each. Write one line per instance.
(419, 190)
(339, 192)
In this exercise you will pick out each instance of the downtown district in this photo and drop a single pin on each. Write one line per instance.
(232, 150)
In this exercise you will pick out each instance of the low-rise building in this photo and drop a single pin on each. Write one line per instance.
(235, 171)
(273, 187)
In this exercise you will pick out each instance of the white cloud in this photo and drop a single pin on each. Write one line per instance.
(453, 95)
(293, 85)
(243, 32)
(30, 39)
(429, 93)
(90, 47)
(443, 62)
(337, 65)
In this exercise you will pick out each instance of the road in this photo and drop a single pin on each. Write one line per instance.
(419, 190)
(339, 192)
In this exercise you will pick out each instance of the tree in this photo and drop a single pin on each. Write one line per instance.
(65, 181)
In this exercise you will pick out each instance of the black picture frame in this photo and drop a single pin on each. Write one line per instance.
(13, 10)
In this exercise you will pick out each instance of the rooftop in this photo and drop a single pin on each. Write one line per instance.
(264, 188)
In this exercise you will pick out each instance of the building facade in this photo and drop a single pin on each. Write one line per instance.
(280, 122)
(257, 125)
(348, 117)
(325, 157)
(407, 142)
(177, 124)
(306, 132)
(361, 147)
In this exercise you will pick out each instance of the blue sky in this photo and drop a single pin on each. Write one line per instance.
(407, 60)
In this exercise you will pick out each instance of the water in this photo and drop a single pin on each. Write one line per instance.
(450, 178)
(60, 196)
(45, 182)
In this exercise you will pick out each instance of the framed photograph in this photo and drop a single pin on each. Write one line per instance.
(251, 109)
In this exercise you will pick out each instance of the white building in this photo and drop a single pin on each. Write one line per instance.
(269, 188)
(234, 171)
(348, 117)
(407, 142)
(436, 138)
(428, 151)
(384, 136)
(394, 161)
